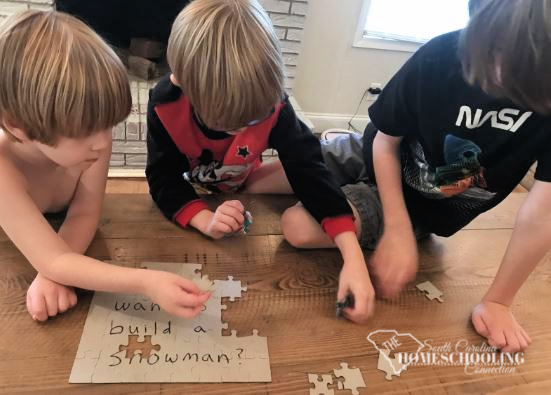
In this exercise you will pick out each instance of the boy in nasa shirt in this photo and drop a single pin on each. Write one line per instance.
(452, 134)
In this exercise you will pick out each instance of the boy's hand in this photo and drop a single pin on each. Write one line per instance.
(46, 298)
(227, 219)
(354, 279)
(394, 262)
(496, 323)
(175, 294)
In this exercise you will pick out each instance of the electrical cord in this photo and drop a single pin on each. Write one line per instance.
(373, 91)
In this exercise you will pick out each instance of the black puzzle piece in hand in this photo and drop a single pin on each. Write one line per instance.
(348, 301)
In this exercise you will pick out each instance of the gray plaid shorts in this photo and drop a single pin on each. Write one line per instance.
(343, 156)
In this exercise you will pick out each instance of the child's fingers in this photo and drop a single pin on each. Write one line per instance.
(229, 221)
(192, 300)
(38, 308)
(51, 304)
(523, 344)
(221, 228)
(191, 295)
(525, 335)
(187, 312)
(371, 306)
(361, 311)
(342, 291)
(480, 325)
(512, 342)
(72, 299)
(233, 213)
(187, 286)
(63, 302)
(497, 339)
(235, 204)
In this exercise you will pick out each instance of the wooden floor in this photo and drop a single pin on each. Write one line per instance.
(290, 300)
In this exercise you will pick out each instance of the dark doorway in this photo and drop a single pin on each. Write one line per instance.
(118, 21)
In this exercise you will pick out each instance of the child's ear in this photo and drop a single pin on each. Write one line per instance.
(174, 80)
(15, 131)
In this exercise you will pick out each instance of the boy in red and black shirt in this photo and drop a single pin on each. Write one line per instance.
(210, 120)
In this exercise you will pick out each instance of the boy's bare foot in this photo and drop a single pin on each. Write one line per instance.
(496, 323)
(46, 298)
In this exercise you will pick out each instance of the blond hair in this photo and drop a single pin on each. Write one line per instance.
(226, 57)
(506, 50)
(58, 78)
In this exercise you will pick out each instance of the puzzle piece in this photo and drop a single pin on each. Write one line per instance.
(144, 347)
(321, 386)
(256, 346)
(348, 301)
(353, 378)
(248, 221)
(431, 292)
(228, 288)
(390, 366)
(204, 283)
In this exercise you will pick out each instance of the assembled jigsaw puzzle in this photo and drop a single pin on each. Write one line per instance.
(129, 339)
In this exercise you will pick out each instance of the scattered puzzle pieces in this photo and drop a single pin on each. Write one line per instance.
(321, 383)
(353, 378)
(390, 366)
(431, 292)
(142, 347)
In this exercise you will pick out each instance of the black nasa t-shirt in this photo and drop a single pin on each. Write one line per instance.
(463, 151)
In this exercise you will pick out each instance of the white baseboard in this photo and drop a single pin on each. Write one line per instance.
(122, 172)
(323, 121)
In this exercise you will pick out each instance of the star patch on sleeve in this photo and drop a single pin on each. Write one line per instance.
(243, 152)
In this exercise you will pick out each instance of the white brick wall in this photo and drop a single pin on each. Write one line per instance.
(288, 17)
(9, 7)
(129, 150)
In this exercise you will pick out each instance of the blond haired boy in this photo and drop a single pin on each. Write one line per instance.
(211, 119)
(61, 91)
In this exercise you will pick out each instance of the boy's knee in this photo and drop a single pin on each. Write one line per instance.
(294, 223)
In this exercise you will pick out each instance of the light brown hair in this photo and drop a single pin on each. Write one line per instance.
(58, 78)
(474, 5)
(506, 50)
(226, 57)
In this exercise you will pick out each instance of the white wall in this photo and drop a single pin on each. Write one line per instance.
(332, 75)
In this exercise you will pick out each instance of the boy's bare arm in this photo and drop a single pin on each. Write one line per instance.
(51, 256)
(530, 240)
(84, 211)
(395, 259)
(354, 278)
(386, 161)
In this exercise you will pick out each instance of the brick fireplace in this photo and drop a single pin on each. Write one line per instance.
(129, 149)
